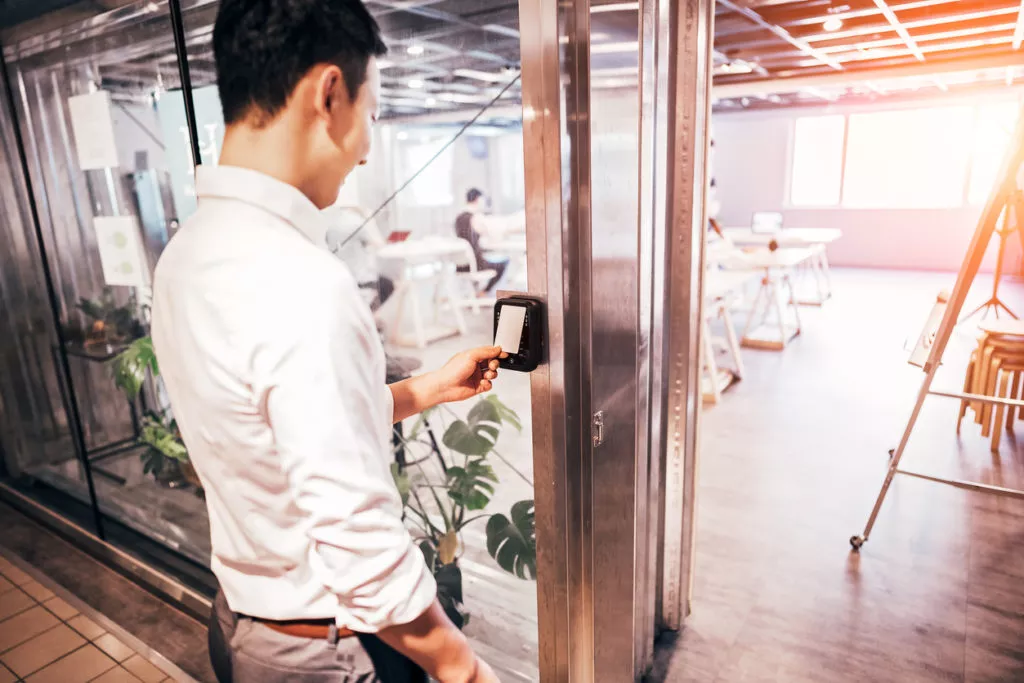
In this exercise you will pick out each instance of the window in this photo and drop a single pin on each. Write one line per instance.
(993, 134)
(433, 187)
(914, 158)
(817, 161)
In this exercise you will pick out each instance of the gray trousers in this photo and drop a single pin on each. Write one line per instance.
(245, 651)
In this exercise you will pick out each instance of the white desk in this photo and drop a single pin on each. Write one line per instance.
(816, 239)
(427, 261)
(775, 303)
(721, 289)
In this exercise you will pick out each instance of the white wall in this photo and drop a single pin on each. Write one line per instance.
(752, 153)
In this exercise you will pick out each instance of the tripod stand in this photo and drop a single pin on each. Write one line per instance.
(995, 304)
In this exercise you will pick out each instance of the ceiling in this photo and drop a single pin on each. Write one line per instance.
(458, 55)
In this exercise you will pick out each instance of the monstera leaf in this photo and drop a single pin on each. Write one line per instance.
(472, 485)
(505, 414)
(130, 367)
(477, 434)
(513, 543)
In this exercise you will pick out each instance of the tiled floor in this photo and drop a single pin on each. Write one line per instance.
(44, 639)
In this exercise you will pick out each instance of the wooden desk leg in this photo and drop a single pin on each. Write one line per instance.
(734, 344)
(447, 285)
(754, 308)
(708, 351)
(792, 302)
(997, 423)
(1014, 393)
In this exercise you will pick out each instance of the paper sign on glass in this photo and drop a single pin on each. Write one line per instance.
(510, 328)
(121, 253)
(93, 127)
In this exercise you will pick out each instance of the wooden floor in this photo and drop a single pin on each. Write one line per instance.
(791, 462)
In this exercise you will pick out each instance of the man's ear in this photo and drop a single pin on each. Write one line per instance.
(331, 91)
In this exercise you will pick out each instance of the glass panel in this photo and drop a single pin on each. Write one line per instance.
(451, 123)
(915, 158)
(993, 133)
(38, 453)
(817, 160)
(90, 96)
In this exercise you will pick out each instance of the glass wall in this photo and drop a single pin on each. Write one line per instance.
(102, 111)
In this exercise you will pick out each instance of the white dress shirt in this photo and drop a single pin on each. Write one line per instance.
(276, 376)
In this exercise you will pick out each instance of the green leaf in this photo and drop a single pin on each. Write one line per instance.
(513, 544)
(402, 483)
(159, 437)
(470, 486)
(462, 439)
(505, 413)
(131, 365)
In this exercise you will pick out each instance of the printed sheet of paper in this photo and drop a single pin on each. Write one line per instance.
(93, 127)
(121, 253)
(510, 328)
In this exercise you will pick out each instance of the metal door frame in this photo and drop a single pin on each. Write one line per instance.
(654, 551)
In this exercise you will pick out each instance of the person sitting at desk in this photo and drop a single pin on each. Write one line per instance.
(467, 227)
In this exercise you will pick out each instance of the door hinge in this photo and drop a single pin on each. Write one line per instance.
(597, 428)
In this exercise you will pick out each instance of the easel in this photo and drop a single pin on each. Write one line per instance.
(995, 304)
(1004, 198)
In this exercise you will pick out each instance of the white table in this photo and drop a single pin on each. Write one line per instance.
(774, 318)
(721, 289)
(816, 239)
(428, 261)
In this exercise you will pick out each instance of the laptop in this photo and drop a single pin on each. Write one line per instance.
(766, 222)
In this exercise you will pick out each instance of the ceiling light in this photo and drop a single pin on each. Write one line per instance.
(415, 84)
(415, 50)
(384, 64)
(832, 24)
(430, 102)
(480, 75)
(615, 7)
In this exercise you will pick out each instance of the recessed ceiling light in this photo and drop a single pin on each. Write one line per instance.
(430, 101)
(832, 24)
(415, 84)
(415, 49)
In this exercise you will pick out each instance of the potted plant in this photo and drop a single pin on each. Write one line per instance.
(109, 324)
(440, 504)
(166, 457)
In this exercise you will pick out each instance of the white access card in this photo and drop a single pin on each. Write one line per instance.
(510, 328)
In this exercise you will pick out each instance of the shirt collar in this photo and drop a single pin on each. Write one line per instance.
(264, 192)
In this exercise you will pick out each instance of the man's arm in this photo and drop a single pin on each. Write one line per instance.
(466, 375)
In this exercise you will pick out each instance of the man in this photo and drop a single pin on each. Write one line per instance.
(276, 372)
(467, 227)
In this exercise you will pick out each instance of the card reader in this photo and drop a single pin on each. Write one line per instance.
(519, 331)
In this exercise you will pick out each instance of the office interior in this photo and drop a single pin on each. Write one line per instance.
(851, 147)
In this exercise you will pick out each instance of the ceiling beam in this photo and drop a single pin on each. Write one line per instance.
(879, 76)
(894, 21)
(1018, 33)
(798, 43)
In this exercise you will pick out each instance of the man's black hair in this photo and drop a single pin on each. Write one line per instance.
(473, 195)
(263, 48)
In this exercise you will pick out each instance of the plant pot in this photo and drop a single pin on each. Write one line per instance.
(190, 475)
(449, 593)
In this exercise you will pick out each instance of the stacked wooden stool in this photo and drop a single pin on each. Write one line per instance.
(995, 369)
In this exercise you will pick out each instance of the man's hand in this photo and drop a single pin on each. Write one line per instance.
(468, 374)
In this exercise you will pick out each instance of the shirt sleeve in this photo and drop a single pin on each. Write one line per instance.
(324, 406)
